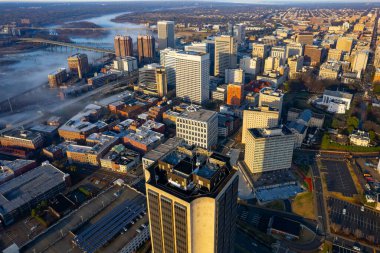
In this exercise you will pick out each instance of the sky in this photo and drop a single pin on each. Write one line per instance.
(234, 1)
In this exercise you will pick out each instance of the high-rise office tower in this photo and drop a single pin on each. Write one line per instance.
(206, 46)
(234, 76)
(78, 63)
(145, 48)
(198, 127)
(345, 44)
(260, 117)
(167, 59)
(166, 35)
(123, 46)
(192, 202)
(225, 54)
(269, 149)
(192, 76)
(239, 33)
(161, 81)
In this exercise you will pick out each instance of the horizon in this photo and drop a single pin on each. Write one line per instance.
(216, 1)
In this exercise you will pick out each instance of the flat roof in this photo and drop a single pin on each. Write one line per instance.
(164, 148)
(23, 189)
(22, 134)
(198, 114)
(269, 132)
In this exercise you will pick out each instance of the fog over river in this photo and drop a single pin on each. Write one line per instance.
(23, 71)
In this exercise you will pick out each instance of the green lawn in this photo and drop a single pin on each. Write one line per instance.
(303, 205)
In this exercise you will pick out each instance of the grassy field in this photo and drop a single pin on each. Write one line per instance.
(303, 205)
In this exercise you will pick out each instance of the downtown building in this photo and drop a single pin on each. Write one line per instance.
(146, 49)
(225, 54)
(123, 46)
(78, 64)
(198, 127)
(192, 76)
(166, 34)
(269, 149)
(192, 202)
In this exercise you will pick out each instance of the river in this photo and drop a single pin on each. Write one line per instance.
(24, 71)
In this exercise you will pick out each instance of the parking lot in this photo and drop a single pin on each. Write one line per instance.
(338, 177)
(355, 220)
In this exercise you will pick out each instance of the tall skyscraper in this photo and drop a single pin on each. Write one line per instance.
(78, 63)
(123, 46)
(225, 54)
(269, 149)
(192, 202)
(166, 35)
(239, 33)
(261, 117)
(206, 46)
(192, 76)
(145, 48)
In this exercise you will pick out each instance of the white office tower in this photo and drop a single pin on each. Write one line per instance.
(269, 149)
(192, 76)
(251, 66)
(234, 76)
(225, 54)
(198, 127)
(166, 36)
(167, 59)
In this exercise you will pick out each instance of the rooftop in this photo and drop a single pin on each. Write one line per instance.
(191, 173)
(163, 149)
(339, 94)
(32, 184)
(270, 132)
(198, 114)
(22, 134)
(80, 122)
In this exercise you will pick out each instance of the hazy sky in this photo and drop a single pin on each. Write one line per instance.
(235, 1)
